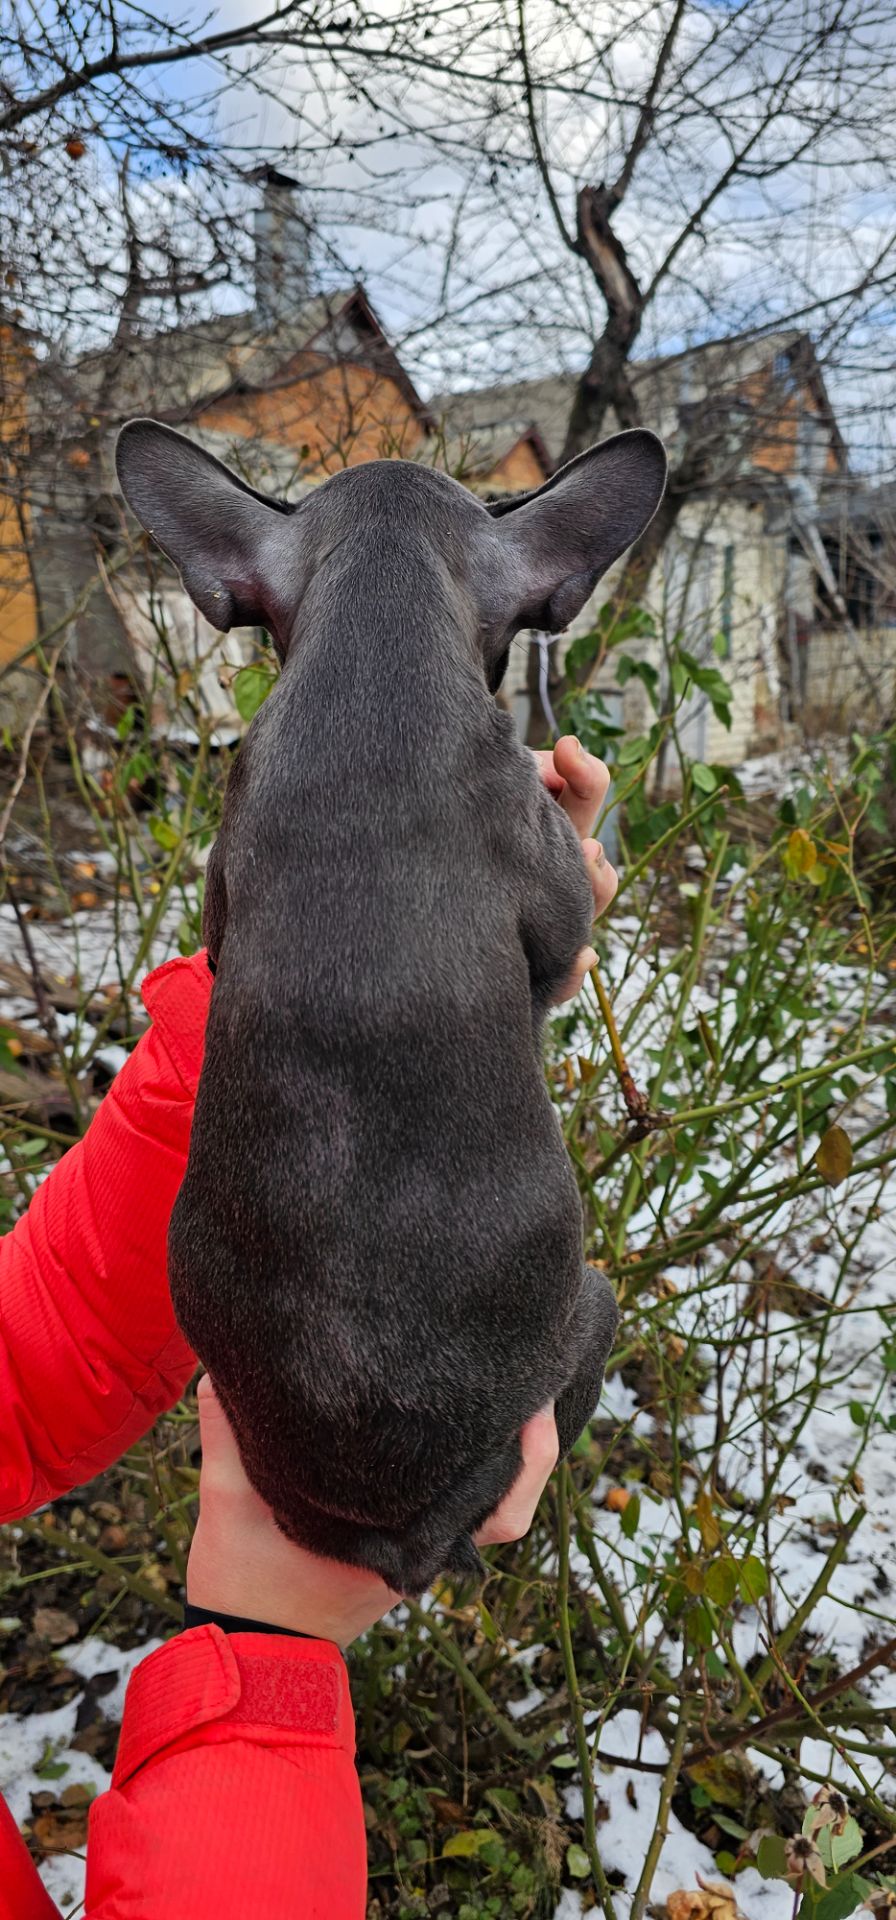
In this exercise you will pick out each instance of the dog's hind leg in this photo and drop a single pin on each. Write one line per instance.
(591, 1337)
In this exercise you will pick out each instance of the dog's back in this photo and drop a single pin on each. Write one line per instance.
(377, 1246)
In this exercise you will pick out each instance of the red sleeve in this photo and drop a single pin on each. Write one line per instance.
(234, 1792)
(89, 1349)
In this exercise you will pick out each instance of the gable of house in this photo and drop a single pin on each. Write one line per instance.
(773, 379)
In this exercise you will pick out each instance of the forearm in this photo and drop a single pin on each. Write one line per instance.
(89, 1349)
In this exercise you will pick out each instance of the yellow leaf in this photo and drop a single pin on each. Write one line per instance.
(800, 854)
(833, 1156)
(463, 1846)
(728, 1778)
(710, 1531)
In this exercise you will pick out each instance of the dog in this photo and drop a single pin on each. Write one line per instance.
(377, 1248)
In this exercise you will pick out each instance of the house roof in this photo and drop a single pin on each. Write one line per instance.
(474, 452)
(663, 386)
(862, 508)
(177, 373)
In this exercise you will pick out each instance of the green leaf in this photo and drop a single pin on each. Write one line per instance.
(703, 777)
(632, 751)
(721, 1582)
(840, 1901)
(857, 1413)
(728, 1825)
(771, 1857)
(465, 1846)
(504, 1798)
(140, 767)
(250, 690)
(752, 1579)
(700, 1626)
(628, 669)
(578, 1862)
(630, 1516)
(487, 1623)
(582, 650)
(845, 1845)
(164, 833)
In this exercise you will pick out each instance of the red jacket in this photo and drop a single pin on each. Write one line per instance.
(234, 1791)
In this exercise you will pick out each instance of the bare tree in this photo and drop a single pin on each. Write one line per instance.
(654, 175)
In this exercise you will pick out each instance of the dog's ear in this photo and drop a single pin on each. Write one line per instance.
(560, 539)
(229, 544)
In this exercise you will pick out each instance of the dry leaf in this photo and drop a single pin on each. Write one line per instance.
(712, 1901)
(51, 1624)
(833, 1156)
(710, 1531)
(61, 1826)
(803, 1857)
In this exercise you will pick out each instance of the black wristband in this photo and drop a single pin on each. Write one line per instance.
(234, 1623)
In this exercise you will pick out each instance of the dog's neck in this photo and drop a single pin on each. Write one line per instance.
(387, 627)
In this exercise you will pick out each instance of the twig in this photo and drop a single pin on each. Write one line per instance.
(453, 1658)
(589, 1824)
(661, 1824)
(643, 1119)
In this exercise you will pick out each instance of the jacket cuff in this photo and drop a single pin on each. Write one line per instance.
(176, 997)
(205, 1686)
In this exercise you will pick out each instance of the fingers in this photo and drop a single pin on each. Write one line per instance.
(584, 961)
(604, 878)
(222, 1469)
(585, 779)
(540, 1449)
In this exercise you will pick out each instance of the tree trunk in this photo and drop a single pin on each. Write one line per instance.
(605, 383)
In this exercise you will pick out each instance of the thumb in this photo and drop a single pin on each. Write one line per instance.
(220, 1454)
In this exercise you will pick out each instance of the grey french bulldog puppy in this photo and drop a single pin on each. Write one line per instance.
(377, 1248)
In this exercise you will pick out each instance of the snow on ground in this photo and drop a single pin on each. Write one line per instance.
(29, 1742)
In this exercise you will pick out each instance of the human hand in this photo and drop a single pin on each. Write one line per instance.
(579, 782)
(241, 1563)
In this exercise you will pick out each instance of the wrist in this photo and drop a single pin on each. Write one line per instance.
(282, 1585)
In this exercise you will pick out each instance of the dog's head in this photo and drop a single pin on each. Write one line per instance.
(531, 561)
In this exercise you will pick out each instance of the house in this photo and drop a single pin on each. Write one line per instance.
(305, 381)
(288, 391)
(734, 576)
(848, 640)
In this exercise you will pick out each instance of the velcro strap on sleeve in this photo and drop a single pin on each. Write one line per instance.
(208, 1679)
